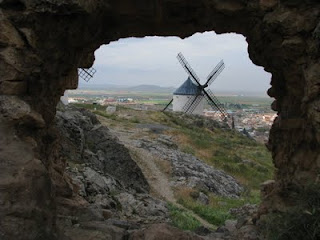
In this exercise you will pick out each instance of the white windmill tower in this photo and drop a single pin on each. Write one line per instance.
(189, 97)
(185, 93)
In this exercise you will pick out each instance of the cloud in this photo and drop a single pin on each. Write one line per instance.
(152, 60)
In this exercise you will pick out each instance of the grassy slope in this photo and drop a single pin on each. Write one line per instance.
(248, 161)
(226, 150)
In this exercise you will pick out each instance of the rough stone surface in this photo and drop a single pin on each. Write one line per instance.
(92, 201)
(43, 42)
(162, 232)
(88, 142)
(191, 172)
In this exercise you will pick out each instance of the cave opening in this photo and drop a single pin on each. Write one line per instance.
(146, 71)
(151, 61)
(37, 65)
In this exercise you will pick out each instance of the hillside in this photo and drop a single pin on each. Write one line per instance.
(200, 167)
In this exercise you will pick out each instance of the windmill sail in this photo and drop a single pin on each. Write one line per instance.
(86, 73)
(215, 73)
(167, 105)
(215, 103)
(188, 104)
(195, 104)
(195, 79)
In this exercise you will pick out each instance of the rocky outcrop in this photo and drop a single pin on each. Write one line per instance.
(189, 171)
(97, 190)
(43, 42)
(25, 185)
(112, 199)
(85, 141)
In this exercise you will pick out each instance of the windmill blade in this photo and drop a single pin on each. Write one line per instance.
(218, 103)
(215, 73)
(195, 79)
(189, 103)
(86, 73)
(167, 105)
(214, 102)
(195, 104)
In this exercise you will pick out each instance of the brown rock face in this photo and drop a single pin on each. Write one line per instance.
(43, 42)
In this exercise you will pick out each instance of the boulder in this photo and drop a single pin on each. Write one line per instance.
(86, 141)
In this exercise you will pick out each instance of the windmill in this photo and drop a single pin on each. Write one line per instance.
(189, 97)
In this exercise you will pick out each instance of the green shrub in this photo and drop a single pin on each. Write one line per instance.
(217, 211)
(182, 219)
(214, 216)
(224, 142)
(188, 149)
(135, 120)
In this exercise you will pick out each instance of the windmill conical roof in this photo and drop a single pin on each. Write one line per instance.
(187, 88)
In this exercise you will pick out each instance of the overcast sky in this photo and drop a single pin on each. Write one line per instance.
(152, 60)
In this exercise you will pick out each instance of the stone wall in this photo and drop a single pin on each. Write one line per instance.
(43, 42)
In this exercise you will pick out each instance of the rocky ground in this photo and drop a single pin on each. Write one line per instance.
(121, 185)
(187, 170)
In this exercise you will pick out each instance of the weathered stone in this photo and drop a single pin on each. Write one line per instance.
(64, 34)
(162, 232)
(203, 198)
(230, 225)
(9, 35)
(107, 214)
(13, 87)
(28, 180)
(191, 172)
(101, 189)
(267, 4)
(71, 79)
(16, 110)
(267, 187)
(244, 211)
(248, 232)
(95, 230)
(89, 142)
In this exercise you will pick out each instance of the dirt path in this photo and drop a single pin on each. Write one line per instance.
(159, 182)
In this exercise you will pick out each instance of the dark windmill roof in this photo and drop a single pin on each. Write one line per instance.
(187, 88)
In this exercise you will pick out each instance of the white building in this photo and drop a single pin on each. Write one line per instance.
(183, 94)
